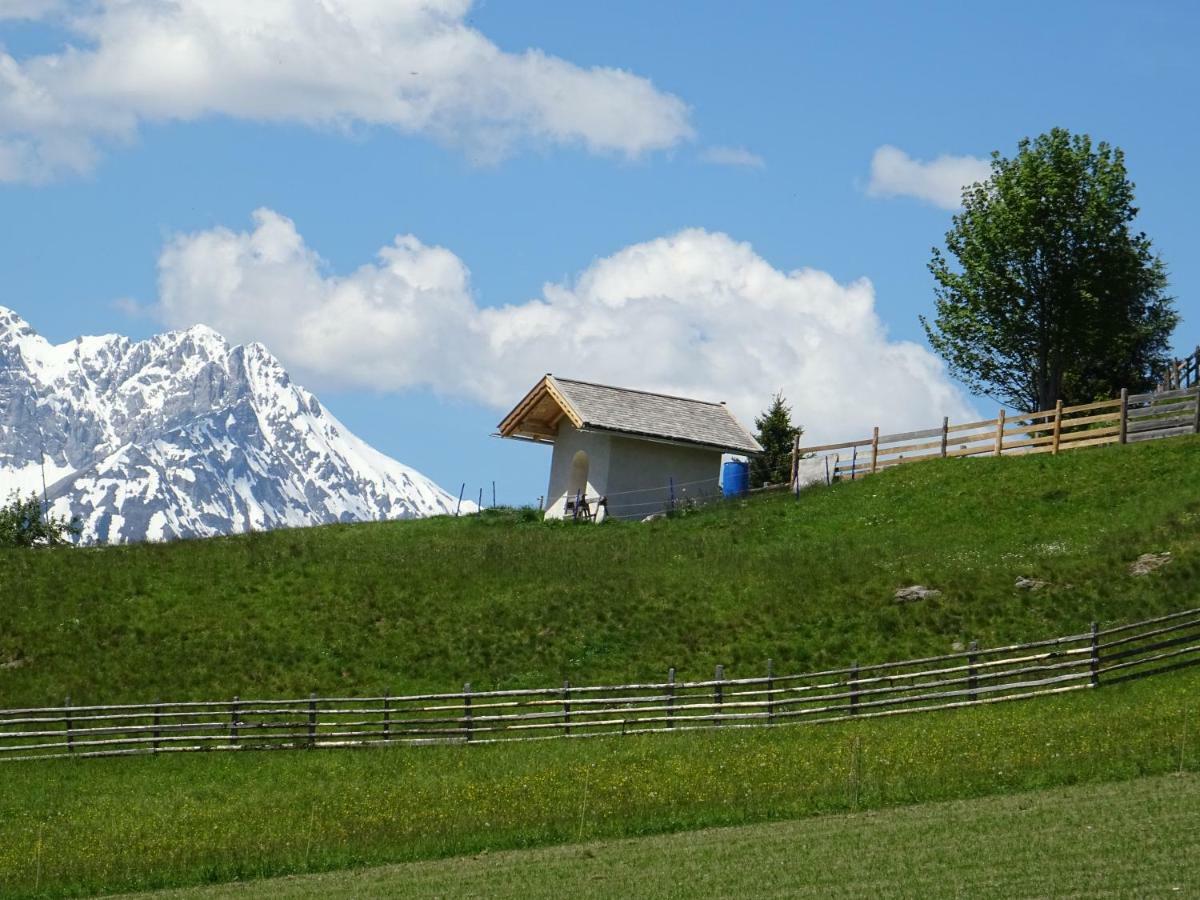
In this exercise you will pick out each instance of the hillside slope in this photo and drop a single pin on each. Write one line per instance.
(504, 600)
(1055, 843)
(96, 826)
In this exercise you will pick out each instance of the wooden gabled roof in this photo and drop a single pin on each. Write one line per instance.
(537, 416)
(601, 407)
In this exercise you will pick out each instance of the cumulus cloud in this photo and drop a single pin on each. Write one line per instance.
(940, 181)
(29, 9)
(696, 313)
(733, 156)
(413, 65)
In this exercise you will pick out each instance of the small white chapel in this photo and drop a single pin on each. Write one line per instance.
(623, 452)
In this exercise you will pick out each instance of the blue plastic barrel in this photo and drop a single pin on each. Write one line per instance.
(735, 478)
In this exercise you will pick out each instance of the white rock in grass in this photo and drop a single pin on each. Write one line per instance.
(1148, 562)
(916, 592)
(1029, 584)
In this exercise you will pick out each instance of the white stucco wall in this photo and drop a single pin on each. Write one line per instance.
(641, 473)
(634, 474)
(570, 441)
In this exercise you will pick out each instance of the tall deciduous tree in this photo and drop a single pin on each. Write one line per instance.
(776, 434)
(1053, 294)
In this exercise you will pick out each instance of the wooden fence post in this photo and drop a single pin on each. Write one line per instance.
(875, 450)
(1057, 427)
(1196, 418)
(467, 709)
(853, 463)
(794, 483)
(567, 707)
(854, 688)
(1095, 656)
(770, 688)
(972, 675)
(157, 722)
(718, 694)
(67, 713)
(945, 433)
(233, 721)
(671, 697)
(312, 720)
(387, 718)
(1000, 433)
(1125, 415)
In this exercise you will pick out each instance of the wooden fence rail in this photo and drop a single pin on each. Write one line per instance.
(969, 677)
(1127, 419)
(1181, 373)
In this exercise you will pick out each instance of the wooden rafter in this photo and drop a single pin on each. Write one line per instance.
(526, 418)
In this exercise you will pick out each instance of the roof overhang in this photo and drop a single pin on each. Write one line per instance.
(541, 412)
(538, 415)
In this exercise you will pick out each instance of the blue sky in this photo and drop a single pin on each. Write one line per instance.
(803, 94)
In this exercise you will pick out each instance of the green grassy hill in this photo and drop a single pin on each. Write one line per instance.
(1068, 842)
(503, 600)
(79, 827)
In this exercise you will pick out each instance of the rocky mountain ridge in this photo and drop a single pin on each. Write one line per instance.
(184, 435)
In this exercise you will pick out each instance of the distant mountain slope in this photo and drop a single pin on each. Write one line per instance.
(183, 435)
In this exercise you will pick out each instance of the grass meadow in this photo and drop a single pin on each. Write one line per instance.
(504, 601)
(1065, 842)
(76, 827)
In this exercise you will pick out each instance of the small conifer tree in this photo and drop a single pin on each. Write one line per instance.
(776, 434)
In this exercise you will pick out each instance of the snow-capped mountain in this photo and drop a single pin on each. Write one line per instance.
(183, 435)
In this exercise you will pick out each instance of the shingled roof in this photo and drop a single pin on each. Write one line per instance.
(600, 407)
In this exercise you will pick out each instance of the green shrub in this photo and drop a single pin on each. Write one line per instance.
(23, 523)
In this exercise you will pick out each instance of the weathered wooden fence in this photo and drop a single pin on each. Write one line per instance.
(1181, 373)
(970, 677)
(1126, 419)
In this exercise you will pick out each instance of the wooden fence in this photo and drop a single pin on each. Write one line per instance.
(1125, 419)
(970, 677)
(1181, 373)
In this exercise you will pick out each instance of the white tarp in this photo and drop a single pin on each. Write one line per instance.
(815, 470)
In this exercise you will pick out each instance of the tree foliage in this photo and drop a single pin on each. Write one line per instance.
(24, 524)
(776, 434)
(1053, 295)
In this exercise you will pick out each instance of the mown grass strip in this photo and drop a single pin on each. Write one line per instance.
(78, 827)
(1126, 839)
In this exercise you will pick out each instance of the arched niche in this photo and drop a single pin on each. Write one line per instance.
(577, 482)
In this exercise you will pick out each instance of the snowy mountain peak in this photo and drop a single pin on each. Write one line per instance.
(184, 435)
(10, 321)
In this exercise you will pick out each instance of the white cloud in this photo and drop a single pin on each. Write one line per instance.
(896, 174)
(733, 156)
(29, 9)
(413, 65)
(129, 307)
(695, 313)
